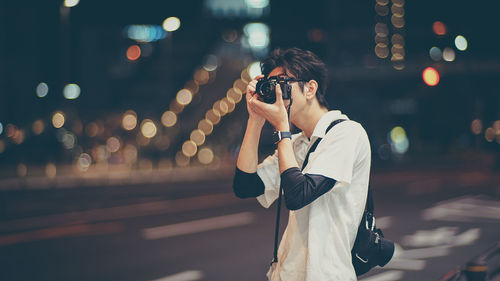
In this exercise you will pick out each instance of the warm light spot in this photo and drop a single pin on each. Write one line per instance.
(496, 127)
(206, 126)
(176, 107)
(133, 52)
(192, 86)
(2, 146)
(184, 97)
(461, 43)
(381, 50)
(42, 90)
(189, 148)
(234, 95)
(489, 134)
(213, 116)
(198, 137)
(148, 128)
(181, 160)
(168, 118)
(58, 119)
(430, 76)
(381, 29)
(476, 126)
(398, 3)
(205, 156)
(398, 22)
(113, 144)
(130, 153)
(171, 24)
(92, 129)
(230, 104)
(38, 127)
(381, 10)
(439, 28)
(239, 84)
(398, 11)
(398, 39)
(129, 120)
(201, 76)
(245, 76)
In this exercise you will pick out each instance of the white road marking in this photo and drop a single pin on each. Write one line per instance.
(424, 253)
(190, 275)
(406, 264)
(392, 275)
(442, 236)
(468, 208)
(198, 226)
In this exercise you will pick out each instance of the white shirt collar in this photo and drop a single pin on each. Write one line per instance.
(325, 121)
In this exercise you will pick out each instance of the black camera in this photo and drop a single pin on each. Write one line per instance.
(266, 88)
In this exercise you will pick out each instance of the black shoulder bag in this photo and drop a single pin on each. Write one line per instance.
(370, 248)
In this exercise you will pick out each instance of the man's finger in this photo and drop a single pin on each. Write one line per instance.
(279, 96)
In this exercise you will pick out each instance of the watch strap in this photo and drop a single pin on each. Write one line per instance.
(279, 135)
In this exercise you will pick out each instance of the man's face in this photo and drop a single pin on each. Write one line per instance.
(297, 93)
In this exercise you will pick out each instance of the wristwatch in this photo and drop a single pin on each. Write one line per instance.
(279, 135)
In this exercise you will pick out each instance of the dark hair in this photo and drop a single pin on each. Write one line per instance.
(302, 64)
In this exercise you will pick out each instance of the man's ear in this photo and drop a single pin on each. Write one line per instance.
(310, 89)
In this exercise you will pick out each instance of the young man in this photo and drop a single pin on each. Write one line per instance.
(327, 198)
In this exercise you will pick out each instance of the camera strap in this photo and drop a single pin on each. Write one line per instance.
(278, 212)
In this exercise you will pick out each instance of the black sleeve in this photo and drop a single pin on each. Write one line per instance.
(246, 185)
(301, 189)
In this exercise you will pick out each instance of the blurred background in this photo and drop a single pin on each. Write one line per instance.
(120, 123)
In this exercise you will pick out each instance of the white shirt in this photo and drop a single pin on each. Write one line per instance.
(317, 242)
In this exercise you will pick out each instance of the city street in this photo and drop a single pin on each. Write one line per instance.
(200, 231)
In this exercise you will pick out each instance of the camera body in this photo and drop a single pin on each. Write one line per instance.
(266, 88)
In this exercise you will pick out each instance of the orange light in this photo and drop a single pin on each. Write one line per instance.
(430, 76)
(133, 52)
(439, 28)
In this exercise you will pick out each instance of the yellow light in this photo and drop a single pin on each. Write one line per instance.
(176, 107)
(398, 39)
(58, 119)
(398, 11)
(489, 134)
(213, 116)
(181, 160)
(234, 95)
(198, 137)
(201, 76)
(206, 126)
(398, 3)
(113, 144)
(239, 84)
(38, 127)
(129, 121)
(71, 3)
(148, 128)
(205, 156)
(50, 170)
(398, 134)
(184, 97)
(230, 104)
(381, 50)
(381, 10)
(381, 29)
(192, 86)
(2, 146)
(430, 76)
(171, 24)
(189, 148)
(245, 76)
(496, 127)
(168, 118)
(398, 22)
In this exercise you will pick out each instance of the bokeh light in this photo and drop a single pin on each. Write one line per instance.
(201, 76)
(234, 94)
(71, 91)
(71, 3)
(254, 69)
(83, 162)
(58, 119)
(435, 53)
(381, 50)
(113, 144)
(148, 128)
(171, 24)
(198, 137)
(448, 54)
(257, 34)
(181, 160)
(257, 4)
(206, 126)
(129, 120)
(168, 118)
(38, 127)
(22, 170)
(461, 43)
(184, 97)
(1, 128)
(489, 134)
(2, 146)
(439, 28)
(133, 52)
(68, 140)
(51, 170)
(42, 90)
(130, 154)
(430, 76)
(213, 116)
(189, 148)
(211, 63)
(205, 156)
(398, 140)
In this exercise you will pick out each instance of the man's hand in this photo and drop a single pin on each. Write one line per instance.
(276, 113)
(249, 95)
